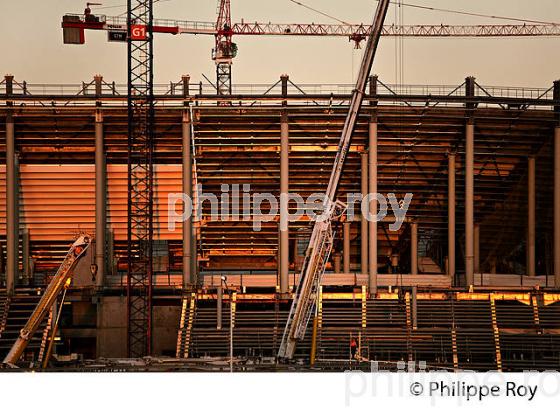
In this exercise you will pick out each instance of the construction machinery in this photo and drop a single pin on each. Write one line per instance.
(223, 30)
(321, 241)
(59, 282)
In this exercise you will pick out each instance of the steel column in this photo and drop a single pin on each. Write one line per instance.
(219, 305)
(531, 202)
(469, 204)
(363, 220)
(284, 186)
(476, 246)
(346, 247)
(414, 248)
(11, 207)
(451, 216)
(372, 225)
(100, 200)
(189, 276)
(557, 206)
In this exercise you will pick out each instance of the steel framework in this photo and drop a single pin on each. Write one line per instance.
(140, 176)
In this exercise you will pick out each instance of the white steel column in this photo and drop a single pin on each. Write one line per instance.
(189, 274)
(346, 247)
(451, 216)
(531, 202)
(284, 186)
(414, 248)
(372, 225)
(11, 207)
(363, 220)
(469, 204)
(100, 200)
(557, 206)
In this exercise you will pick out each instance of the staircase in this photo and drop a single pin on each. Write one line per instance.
(3, 309)
(19, 309)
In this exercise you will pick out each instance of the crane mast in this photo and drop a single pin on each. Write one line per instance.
(225, 50)
(321, 241)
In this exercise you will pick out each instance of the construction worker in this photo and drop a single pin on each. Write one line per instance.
(353, 348)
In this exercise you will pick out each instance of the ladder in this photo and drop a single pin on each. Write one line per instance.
(321, 242)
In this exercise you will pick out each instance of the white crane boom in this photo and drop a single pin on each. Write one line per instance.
(321, 241)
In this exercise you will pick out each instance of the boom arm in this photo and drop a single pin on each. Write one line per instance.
(57, 284)
(320, 244)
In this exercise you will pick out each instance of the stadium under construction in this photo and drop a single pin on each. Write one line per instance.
(469, 280)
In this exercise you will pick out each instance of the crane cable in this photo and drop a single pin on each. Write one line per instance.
(417, 6)
(468, 13)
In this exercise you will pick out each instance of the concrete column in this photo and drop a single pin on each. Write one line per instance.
(531, 202)
(451, 215)
(189, 274)
(476, 251)
(557, 207)
(469, 203)
(414, 248)
(363, 221)
(284, 186)
(11, 207)
(100, 200)
(346, 246)
(372, 225)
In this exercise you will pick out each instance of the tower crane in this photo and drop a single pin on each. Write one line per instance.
(136, 30)
(223, 30)
(321, 241)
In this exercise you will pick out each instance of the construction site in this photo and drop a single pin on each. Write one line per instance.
(103, 269)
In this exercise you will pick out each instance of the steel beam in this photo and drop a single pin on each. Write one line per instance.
(363, 221)
(372, 225)
(189, 276)
(11, 207)
(414, 248)
(531, 202)
(346, 246)
(100, 199)
(284, 186)
(469, 203)
(451, 216)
